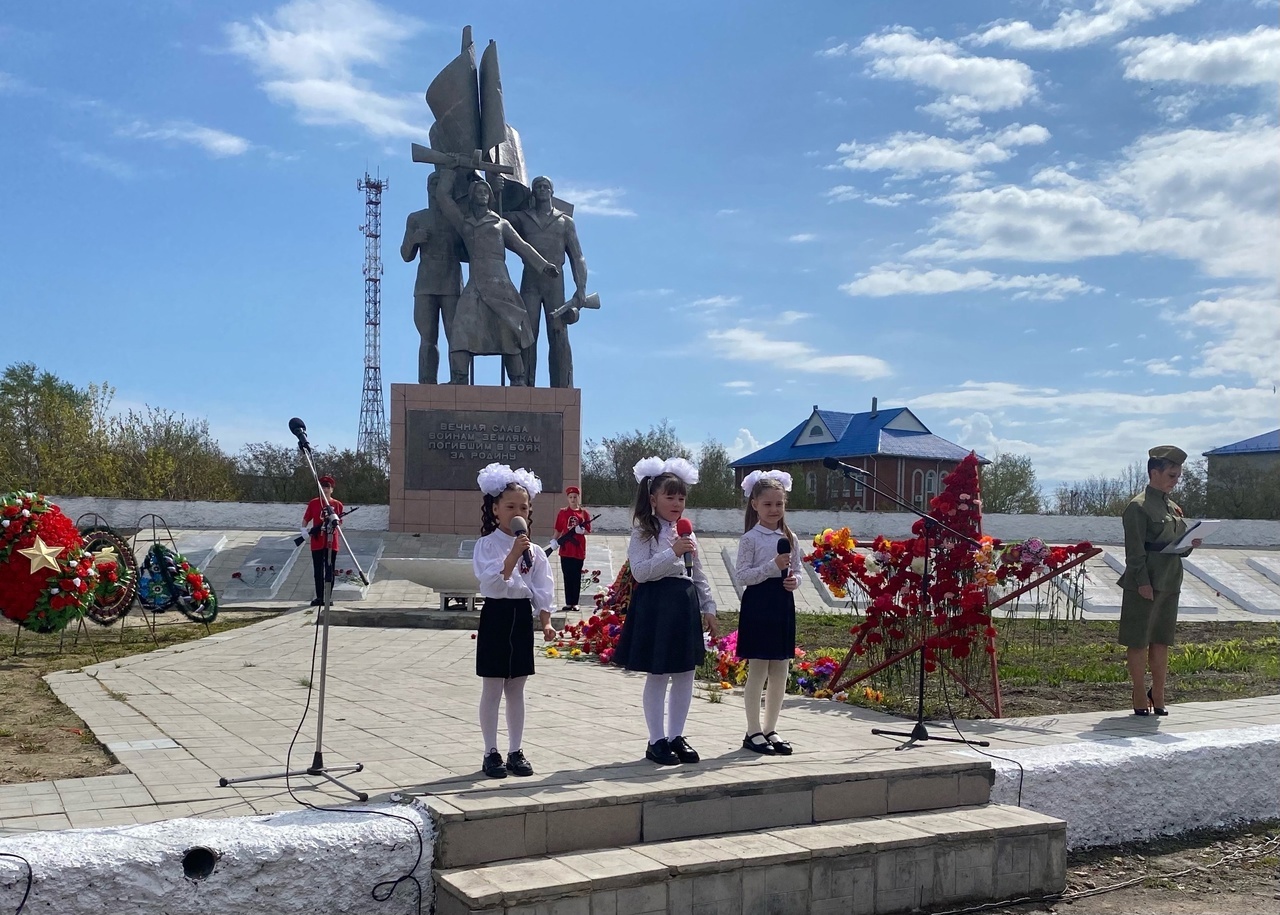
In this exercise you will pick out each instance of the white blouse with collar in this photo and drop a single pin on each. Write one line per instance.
(536, 585)
(757, 551)
(653, 558)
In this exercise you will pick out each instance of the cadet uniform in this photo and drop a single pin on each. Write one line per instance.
(1151, 522)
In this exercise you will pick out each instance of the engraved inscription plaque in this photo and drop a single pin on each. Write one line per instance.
(445, 449)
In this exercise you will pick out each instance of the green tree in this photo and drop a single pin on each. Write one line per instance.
(1009, 486)
(715, 488)
(52, 434)
(160, 454)
(607, 477)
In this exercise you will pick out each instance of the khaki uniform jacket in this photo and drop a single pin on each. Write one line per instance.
(1151, 517)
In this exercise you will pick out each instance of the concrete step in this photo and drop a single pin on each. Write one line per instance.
(875, 865)
(628, 805)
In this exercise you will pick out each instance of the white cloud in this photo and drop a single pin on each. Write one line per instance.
(1210, 197)
(791, 317)
(74, 152)
(913, 153)
(1161, 367)
(1075, 28)
(1249, 319)
(738, 384)
(886, 280)
(802, 237)
(1236, 60)
(309, 52)
(967, 85)
(602, 201)
(713, 302)
(844, 192)
(743, 444)
(216, 143)
(754, 346)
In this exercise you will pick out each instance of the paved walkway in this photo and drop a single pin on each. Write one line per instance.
(403, 702)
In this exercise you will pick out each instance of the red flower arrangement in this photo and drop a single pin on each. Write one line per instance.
(598, 634)
(43, 600)
(957, 597)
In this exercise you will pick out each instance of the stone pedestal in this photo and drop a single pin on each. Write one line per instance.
(442, 435)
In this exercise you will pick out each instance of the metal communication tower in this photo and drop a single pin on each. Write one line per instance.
(372, 439)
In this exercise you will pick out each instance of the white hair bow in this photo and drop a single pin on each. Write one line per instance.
(494, 478)
(653, 466)
(755, 476)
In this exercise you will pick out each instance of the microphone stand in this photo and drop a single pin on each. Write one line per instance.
(919, 733)
(329, 526)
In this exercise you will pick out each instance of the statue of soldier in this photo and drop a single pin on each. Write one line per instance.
(438, 247)
(553, 235)
(490, 319)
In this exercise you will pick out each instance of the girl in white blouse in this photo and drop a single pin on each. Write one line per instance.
(671, 603)
(515, 581)
(769, 568)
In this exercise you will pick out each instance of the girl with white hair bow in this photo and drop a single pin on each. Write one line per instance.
(670, 606)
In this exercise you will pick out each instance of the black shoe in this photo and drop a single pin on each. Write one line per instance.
(493, 766)
(518, 765)
(661, 753)
(757, 744)
(684, 752)
(780, 746)
(1160, 710)
(1142, 712)
(317, 602)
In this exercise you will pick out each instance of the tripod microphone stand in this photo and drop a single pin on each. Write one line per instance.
(919, 733)
(328, 526)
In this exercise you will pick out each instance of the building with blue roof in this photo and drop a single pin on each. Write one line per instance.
(1258, 454)
(893, 445)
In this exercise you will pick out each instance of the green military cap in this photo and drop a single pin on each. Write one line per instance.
(1168, 453)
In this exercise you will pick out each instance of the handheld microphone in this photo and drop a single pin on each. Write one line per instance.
(299, 428)
(784, 549)
(832, 464)
(520, 526)
(684, 528)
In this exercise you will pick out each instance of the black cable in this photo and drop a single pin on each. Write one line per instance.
(950, 711)
(30, 879)
(389, 885)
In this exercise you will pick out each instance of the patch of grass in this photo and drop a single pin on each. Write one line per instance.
(304, 682)
(29, 746)
(117, 695)
(56, 737)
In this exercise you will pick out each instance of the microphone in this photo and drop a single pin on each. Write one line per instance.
(684, 528)
(520, 526)
(784, 549)
(832, 464)
(299, 428)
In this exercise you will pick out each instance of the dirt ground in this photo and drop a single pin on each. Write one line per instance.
(1204, 873)
(40, 738)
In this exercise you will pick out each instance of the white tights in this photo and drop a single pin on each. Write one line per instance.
(677, 701)
(758, 671)
(492, 690)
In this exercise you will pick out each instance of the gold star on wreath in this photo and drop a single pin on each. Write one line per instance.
(104, 555)
(42, 555)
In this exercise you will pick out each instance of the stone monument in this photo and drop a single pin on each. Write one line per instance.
(481, 205)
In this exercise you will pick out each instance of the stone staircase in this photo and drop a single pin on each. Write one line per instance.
(879, 833)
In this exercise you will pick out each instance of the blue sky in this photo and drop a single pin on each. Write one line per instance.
(1048, 228)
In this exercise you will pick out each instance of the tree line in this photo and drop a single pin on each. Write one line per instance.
(65, 440)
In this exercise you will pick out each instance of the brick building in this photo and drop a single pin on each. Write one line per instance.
(901, 453)
(1258, 454)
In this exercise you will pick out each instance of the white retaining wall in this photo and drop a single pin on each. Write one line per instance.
(1138, 788)
(287, 516)
(303, 861)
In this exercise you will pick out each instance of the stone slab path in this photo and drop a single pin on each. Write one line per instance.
(403, 702)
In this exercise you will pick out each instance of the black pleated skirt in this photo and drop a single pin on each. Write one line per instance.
(767, 626)
(662, 633)
(504, 642)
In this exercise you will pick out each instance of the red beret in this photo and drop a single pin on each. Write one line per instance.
(569, 489)
(327, 480)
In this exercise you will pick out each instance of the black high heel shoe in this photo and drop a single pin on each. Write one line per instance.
(1160, 710)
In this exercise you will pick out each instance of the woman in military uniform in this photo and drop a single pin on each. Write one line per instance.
(1152, 580)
